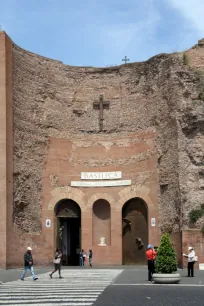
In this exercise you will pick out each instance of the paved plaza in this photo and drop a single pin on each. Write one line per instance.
(100, 286)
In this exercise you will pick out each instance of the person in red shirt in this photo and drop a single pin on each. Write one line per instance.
(151, 256)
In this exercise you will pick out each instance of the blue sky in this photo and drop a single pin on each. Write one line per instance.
(100, 33)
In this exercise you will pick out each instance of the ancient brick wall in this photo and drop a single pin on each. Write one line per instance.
(134, 155)
(194, 238)
(190, 123)
(51, 99)
(6, 146)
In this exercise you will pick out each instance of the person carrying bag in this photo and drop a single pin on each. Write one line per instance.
(192, 258)
(57, 263)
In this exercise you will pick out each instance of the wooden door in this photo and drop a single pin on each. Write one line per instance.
(135, 232)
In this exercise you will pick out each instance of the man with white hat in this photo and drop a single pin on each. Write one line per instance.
(28, 264)
(191, 261)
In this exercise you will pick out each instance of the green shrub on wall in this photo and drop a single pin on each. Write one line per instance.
(195, 214)
(166, 257)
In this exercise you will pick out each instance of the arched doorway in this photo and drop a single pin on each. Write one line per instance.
(68, 231)
(134, 231)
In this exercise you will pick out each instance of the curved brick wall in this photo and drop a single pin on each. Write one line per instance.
(53, 99)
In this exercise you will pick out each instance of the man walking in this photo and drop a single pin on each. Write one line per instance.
(28, 264)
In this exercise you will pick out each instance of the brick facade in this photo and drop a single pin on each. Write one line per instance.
(6, 147)
(74, 157)
(50, 133)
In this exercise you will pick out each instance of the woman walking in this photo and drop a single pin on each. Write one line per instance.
(192, 258)
(57, 263)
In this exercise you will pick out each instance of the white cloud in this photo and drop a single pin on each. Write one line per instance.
(191, 10)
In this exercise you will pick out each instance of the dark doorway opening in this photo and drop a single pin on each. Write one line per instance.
(68, 236)
(70, 242)
(134, 231)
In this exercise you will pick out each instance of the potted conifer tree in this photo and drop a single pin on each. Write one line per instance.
(166, 263)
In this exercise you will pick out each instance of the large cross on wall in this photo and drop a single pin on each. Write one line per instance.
(101, 105)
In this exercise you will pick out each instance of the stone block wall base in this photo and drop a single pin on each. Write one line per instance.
(195, 239)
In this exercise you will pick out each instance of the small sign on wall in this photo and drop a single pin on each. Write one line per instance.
(153, 222)
(102, 241)
(48, 223)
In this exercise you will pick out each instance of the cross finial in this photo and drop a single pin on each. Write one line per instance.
(125, 59)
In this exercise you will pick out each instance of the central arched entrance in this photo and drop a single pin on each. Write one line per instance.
(134, 231)
(68, 231)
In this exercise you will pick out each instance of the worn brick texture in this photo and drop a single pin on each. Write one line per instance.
(53, 100)
(134, 155)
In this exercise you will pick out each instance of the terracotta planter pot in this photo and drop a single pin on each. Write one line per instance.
(171, 278)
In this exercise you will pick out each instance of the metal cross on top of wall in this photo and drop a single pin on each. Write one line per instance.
(125, 59)
(101, 105)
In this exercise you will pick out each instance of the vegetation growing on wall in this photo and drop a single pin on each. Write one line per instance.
(196, 214)
(201, 95)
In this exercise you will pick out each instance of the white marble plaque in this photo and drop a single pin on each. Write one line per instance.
(101, 183)
(153, 222)
(101, 175)
(48, 223)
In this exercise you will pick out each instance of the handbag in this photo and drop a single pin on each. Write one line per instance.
(195, 259)
(56, 261)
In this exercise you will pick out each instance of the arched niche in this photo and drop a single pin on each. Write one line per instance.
(134, 231)
(101, 222)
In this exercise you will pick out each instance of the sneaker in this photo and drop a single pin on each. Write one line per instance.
(60, 277)
(22, 279)
(35, 278)
(50, 275)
